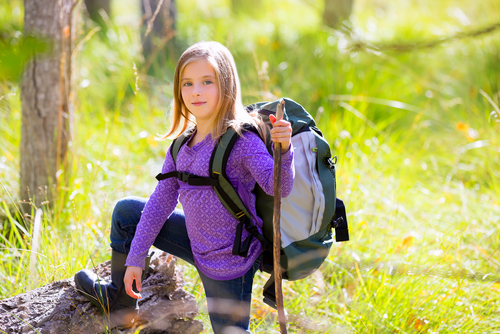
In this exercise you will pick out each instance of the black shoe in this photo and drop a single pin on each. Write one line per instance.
(110, 297)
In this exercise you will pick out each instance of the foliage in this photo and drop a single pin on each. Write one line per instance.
(14, 53)
(416, 135)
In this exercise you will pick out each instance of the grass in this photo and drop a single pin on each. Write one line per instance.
(418, 157)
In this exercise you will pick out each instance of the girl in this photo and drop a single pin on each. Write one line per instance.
(206, 93)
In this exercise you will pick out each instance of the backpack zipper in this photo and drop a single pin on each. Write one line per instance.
(330, 164)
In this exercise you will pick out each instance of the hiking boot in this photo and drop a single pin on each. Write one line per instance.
(110, 297)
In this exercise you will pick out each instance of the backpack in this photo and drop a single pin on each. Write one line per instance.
(308, 214)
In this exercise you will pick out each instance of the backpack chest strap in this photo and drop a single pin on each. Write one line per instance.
(191, 179)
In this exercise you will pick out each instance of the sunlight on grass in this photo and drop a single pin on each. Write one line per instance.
(416, 135)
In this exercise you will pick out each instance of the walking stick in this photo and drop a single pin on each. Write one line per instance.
(276, 225)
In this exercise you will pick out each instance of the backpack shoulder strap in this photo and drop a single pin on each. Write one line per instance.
(229, 196)
(179, 142)
(217, 169)
(174, 150)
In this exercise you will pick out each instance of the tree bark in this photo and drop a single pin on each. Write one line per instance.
(47, 114)
(59, 308)
(336, 11)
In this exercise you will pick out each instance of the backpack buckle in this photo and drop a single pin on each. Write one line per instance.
(330, 162)
(183, 177)
(338, 222)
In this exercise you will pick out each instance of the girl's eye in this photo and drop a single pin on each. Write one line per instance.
(187, 84)
(207, 82)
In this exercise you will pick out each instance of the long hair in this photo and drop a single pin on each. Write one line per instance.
(230, 111)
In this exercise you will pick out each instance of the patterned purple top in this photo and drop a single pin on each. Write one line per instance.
(211, 228)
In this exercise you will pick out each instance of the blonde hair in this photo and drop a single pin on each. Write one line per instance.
(230, 111)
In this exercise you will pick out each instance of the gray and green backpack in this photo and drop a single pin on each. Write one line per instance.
(308, 214)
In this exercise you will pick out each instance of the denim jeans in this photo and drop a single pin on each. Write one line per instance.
(228, 302)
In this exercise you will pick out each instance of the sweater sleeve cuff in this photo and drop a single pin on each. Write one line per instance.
(286, 157)
(135, 261)
(284, 154)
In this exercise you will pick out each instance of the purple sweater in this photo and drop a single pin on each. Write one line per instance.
(211, 228)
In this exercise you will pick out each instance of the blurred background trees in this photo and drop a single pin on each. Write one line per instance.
(157, 28)
(255, 30)
(162, 32)
(158, 33)
(45, 137)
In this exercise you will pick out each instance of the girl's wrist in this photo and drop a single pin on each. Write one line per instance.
(283, 149)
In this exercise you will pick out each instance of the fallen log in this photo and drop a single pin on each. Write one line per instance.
(59, 308)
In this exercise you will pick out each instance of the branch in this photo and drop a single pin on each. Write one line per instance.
(399, 47)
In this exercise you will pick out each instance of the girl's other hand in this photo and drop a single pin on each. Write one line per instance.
(133, 273)
(281, 133)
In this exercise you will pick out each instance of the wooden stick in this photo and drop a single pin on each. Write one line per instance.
(276, 225)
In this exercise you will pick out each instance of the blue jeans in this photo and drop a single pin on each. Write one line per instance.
(228, 302)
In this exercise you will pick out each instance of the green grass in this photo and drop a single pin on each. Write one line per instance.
(418, 157)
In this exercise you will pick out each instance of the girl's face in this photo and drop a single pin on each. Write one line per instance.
(200, 89)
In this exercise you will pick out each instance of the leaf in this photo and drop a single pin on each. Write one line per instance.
(418, 323)
(15, 53)
(408, 241)
(262, 310)
(482, 251)
(496, 286)
(462, 127)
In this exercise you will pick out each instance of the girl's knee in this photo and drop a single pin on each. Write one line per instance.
(123, 204)
(130, 203)
(128, 210)
(177, 216)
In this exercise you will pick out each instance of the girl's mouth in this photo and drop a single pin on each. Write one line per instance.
(197, 103)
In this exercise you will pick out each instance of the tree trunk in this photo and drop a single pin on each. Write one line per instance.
(47, 113)
(59, 308)
(95, 10)
(336, 11)
(158, 33)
